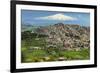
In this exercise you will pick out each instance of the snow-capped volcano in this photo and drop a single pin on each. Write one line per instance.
(59, 16)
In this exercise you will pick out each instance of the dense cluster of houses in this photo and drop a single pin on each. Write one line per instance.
(69, 37)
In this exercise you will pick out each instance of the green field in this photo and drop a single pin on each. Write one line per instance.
(43, 55)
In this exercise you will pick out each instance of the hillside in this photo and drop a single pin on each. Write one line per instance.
(58, 42)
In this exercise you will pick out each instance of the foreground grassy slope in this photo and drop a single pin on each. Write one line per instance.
(43, 55)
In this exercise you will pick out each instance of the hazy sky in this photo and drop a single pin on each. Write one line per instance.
(35, 17)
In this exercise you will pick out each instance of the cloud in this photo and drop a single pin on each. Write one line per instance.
(59, 16)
